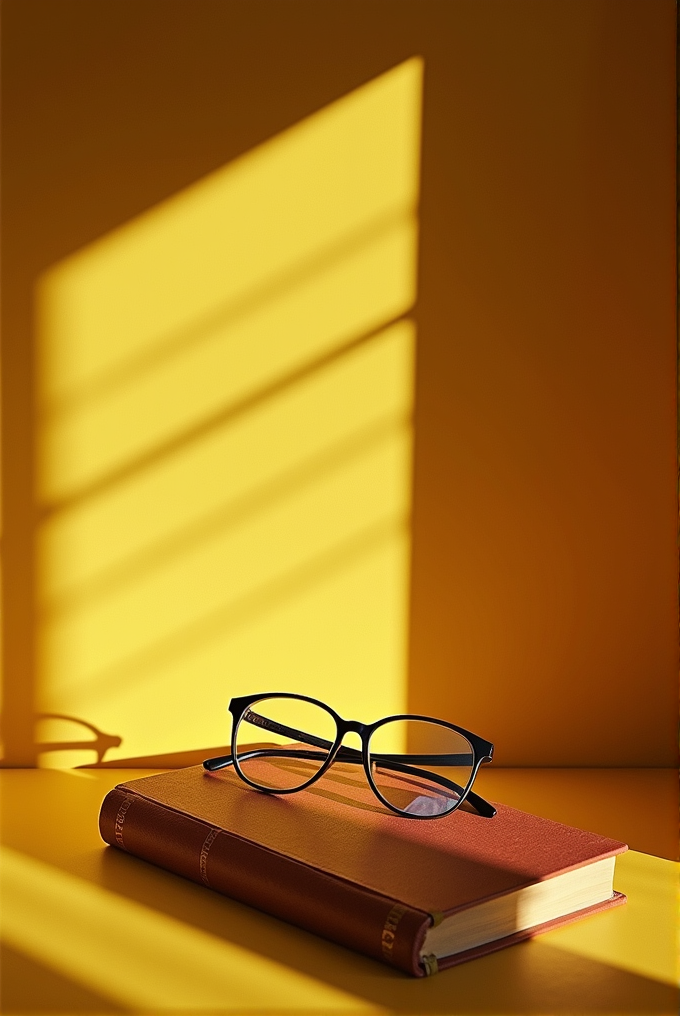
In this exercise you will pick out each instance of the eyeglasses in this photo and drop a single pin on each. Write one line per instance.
(402, 755)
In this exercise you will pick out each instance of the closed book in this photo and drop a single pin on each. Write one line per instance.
(418, 895)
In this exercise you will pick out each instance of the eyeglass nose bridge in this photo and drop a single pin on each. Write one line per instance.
(352, 727)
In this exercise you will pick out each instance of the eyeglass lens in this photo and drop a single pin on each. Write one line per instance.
(281, 743)
(420, 767)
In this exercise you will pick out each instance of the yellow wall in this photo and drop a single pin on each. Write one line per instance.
(224, 443)
(192, 509)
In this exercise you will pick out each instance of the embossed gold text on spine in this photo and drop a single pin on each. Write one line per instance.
(205, 850)
(120, 819)
(390, 928)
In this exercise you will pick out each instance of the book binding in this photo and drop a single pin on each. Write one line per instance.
(343, 911)
(275, 883)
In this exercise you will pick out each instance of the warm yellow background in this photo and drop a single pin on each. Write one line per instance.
(236, 282)
(226, 389)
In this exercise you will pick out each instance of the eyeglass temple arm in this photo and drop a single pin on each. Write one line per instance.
(448, 759)
(301, 735)
(481, 806)
(394, 762)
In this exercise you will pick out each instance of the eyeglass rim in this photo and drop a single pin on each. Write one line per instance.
(481, 748)
(249, 700)
(366, 752)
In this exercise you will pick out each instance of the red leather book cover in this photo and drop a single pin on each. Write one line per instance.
(334, 861)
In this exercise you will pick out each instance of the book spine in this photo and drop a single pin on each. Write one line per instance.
(315, 900)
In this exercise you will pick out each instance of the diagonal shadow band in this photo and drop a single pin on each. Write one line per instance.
(173, 344)
(132, 669)
(174, 545)
(193, 434)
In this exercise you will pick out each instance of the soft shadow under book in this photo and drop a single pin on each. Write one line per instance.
(418, 895)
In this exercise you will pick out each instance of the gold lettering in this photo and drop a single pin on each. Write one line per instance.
(205, 850)
(389, 929)
(120, 819)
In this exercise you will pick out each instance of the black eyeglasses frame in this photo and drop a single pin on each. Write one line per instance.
(482, 751)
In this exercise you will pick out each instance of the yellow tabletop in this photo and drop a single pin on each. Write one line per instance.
(88, 929)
